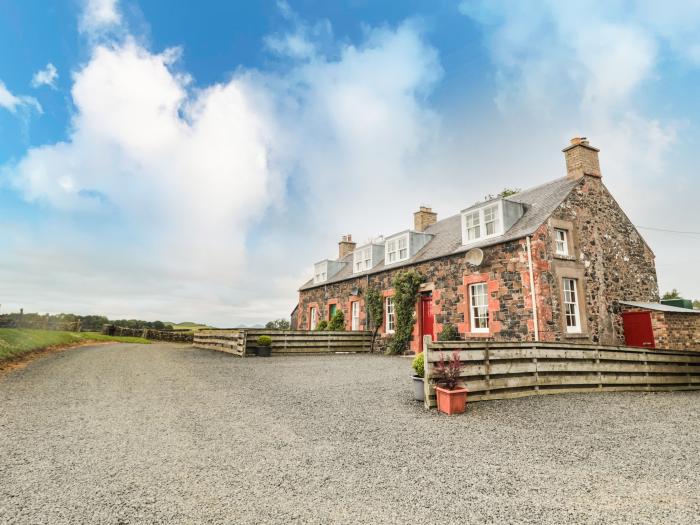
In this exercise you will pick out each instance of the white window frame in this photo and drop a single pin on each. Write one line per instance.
(394, 252)
(320, 272)
(571, 308)
(355, 315)
(362, 259)
(313, 318)
(389, 315)
(475, 219)
(561, 245)
(478, 298)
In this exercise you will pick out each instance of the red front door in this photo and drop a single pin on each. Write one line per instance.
(427, 325)
(638, 330)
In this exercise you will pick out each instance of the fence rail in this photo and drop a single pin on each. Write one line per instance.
(243, 341)
(508, 370)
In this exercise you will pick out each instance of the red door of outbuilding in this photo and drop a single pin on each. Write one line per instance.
(638, 330)
(427, 321)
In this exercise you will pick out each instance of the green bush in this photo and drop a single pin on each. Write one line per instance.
(322, 325)
(337, 322)
(449, 333)
(264, 340)
(419, 365)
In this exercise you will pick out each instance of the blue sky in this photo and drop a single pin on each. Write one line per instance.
(190, 161)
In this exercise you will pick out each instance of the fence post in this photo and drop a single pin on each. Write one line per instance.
(426, 370)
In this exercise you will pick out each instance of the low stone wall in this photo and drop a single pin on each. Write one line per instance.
(172, 336)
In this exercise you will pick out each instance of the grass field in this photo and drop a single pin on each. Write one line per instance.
(15, 341)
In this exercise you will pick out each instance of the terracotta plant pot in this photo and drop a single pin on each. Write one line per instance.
(451, 401)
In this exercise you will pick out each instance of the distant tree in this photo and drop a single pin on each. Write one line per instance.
(673, 294)
(696, 304)
(278, 324)
(505, 192)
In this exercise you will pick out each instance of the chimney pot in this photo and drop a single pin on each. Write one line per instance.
(581, 159)
(424, 217)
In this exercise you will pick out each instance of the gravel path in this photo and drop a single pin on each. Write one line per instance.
(169, 434)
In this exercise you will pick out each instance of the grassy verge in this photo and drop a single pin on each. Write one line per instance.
(15, 342)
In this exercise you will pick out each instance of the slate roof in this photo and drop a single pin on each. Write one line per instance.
(660, 307)
(539, 203)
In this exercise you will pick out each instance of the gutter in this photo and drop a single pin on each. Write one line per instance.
(532, 289)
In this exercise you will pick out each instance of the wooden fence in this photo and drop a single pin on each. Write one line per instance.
(507, 370)
(230, 341)
(243, 341)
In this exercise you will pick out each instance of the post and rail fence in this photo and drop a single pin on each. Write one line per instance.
(495, 370)
(243, 341)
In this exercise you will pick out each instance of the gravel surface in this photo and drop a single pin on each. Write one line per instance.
(168, 434)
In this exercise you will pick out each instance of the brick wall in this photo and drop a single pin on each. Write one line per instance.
(672, 330)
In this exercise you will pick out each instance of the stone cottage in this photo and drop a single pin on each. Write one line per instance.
(549, 263)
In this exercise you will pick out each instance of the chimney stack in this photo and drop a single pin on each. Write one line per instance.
(345, 246)
(581, 159)
(423, 218)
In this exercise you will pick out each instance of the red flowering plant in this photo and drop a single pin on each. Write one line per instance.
(447, 372)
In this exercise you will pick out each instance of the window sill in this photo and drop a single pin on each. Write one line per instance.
(579, 335)
(564, 257)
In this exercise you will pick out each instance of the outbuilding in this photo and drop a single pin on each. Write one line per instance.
(657, 325)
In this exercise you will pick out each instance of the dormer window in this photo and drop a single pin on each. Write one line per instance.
(482, 223)
(321, 272)
(397, 249)
(362, 259)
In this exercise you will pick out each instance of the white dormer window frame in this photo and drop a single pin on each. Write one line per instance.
(320, 272)
(362, 259)
(561, 241)
(397, 248)
(482, 223)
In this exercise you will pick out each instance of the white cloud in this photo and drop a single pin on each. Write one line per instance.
(223, 195)
(45, 77)
(13, 102)
(99, 16)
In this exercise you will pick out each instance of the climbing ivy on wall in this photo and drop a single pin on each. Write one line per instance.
(406, 286)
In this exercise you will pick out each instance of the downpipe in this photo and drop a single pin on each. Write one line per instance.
(533, 293)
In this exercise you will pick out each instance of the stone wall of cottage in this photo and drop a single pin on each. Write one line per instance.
(504, 269)
(616, 263)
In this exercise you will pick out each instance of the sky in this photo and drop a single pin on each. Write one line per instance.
(190, 161)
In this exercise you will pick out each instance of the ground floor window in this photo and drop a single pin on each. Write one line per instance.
(389, 315)
(355, 315)
(571, 308)
(313, 318)
(479, 307)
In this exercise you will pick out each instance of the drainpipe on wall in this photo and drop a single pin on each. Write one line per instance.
(532, 290)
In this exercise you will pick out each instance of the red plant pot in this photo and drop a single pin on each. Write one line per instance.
(451, 401)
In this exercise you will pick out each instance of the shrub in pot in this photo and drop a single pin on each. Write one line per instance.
(337, 322)
(419, 369)
(264, 344)
(450, 398)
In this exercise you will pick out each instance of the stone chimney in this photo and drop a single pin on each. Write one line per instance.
(345, 246)
(581, 159)
(423, 218)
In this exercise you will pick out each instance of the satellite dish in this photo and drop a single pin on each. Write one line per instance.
(475, 256)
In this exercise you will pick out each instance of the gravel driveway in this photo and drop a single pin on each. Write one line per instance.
(169, 434)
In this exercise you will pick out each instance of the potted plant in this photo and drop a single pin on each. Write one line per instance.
(419, 368)
(264, 344)
(450, 398)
